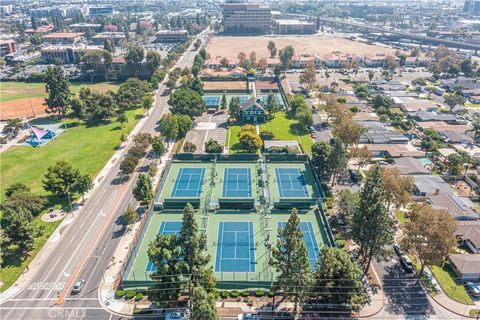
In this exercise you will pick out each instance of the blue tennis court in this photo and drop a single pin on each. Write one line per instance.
(189, 182)
(166, 228)
(235, 249)
(310, 241)
(291, 183)
(211, 101)
(237, 182)
(265, 100)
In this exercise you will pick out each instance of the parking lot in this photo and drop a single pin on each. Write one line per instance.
(208, 126)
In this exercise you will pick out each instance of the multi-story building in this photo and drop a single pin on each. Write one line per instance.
(67, 54)
(7, 9)
(82, 27)
(101, 11)
(100, 38)
(6, 47)
(290, 26)
(472, 6)
(246, 18)
(62, 37)
(168, 36)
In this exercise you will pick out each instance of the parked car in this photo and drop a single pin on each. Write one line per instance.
(353, 175)
(311, 129)
(176, 316)
(406, 264)
(398, 250)
(473, 289)
(77, 287)
(248, 316)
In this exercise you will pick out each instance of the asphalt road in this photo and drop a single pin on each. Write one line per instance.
(86, 246)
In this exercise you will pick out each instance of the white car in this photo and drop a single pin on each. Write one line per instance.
(248, 316)
(176, 316)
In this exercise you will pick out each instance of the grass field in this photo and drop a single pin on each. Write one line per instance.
(229, 47)
(18, 98)
(452, 288)
(86, 146)
(285, 128)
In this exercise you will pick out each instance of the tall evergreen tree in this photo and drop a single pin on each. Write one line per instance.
(371, 227)
(272, 105)
(58, 90)
(194, 247)
(143, 190)
(203, 305)
(338, 279)
(290, 259)
(337, 159)
(320, 154)
(223, 104)
(234, 108)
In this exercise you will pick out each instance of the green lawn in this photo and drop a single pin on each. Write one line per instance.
(87, 147)
(232, 137)
(401, 216)
(452, 288)
(10, 91)
(285, 128)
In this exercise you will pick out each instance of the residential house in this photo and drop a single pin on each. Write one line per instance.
(389, 137)
(428, 185)
(456, 137)
(272, 62)
(394, 150)
(213, 63)
(341, 60)
(417, 62)
(443, 126)
(463, 83)
(300, 61)
(459, 208)
(253, 111)
(388, 85)
(424, 116)
(409, 166)
(375, 60)
(466, 266)
(410, 105)
(474, 99)
(469, 234)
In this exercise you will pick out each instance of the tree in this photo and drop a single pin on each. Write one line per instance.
(143, 191)
(290, 260)
(130, 215)
(250, 141)
(122, 119)
(184, 124)
(194, 247)
(453, 100)
(347, 130)
(16, 187)
(304, 117)
(429, 235)
(158, 146)
(212, 146)
(380, 100)
(186, 101)
(456, 162)
(297, 101)
(196, 84)
(390, 63)
(272, 105)
(154, 60)
(372, 237)
(234, 108)
(13, 127)
(91, 59)
(169, 127)
(223, 103)
(165, 253)
(262, 65)
(108, 45)
(25, 200)
(320, 155)
(286, 55)
(338, 279)
(135, 54)
(348, 201)
(309, 75)
(266, 135)
(466, 66)
(203, 305)
(277, 70)
(107, 62)
(337, 159)
(60, 178)
(131, 94)
(253, 59)
(370, 75)
(58, 91)
(397, 188)
(242, 58)
(362, 155)
(19, 227)
(147, 103)
(128, 165)
(272, 48)
(82, 185)
(189, 147)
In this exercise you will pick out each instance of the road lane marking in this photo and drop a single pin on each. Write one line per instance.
(52, 299)
(48, 274)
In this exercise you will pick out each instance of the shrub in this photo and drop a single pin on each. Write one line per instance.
(246, 300)
(250, 303)
(224, 294)
(260, 293)
(267, 135)
(340, 243)
(245, 293)
(271, 293)
(119, 293)
(189, 147)
(130, 294)
(139, 296)
(234, 294)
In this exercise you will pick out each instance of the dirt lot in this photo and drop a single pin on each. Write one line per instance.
(229, 47)
(224, 85)
(21, 108)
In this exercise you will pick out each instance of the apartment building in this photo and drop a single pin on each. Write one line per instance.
(246, 18)
(291, 26)
(62, 37)
(6, 47)
(170, 36)
(67, 54)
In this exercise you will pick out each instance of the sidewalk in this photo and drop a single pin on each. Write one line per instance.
(52, 242)
(106, 292)
(453, 306)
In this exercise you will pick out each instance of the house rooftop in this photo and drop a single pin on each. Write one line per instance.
(459, 208)
(409, 166)
(466, 263)
(428, 184)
